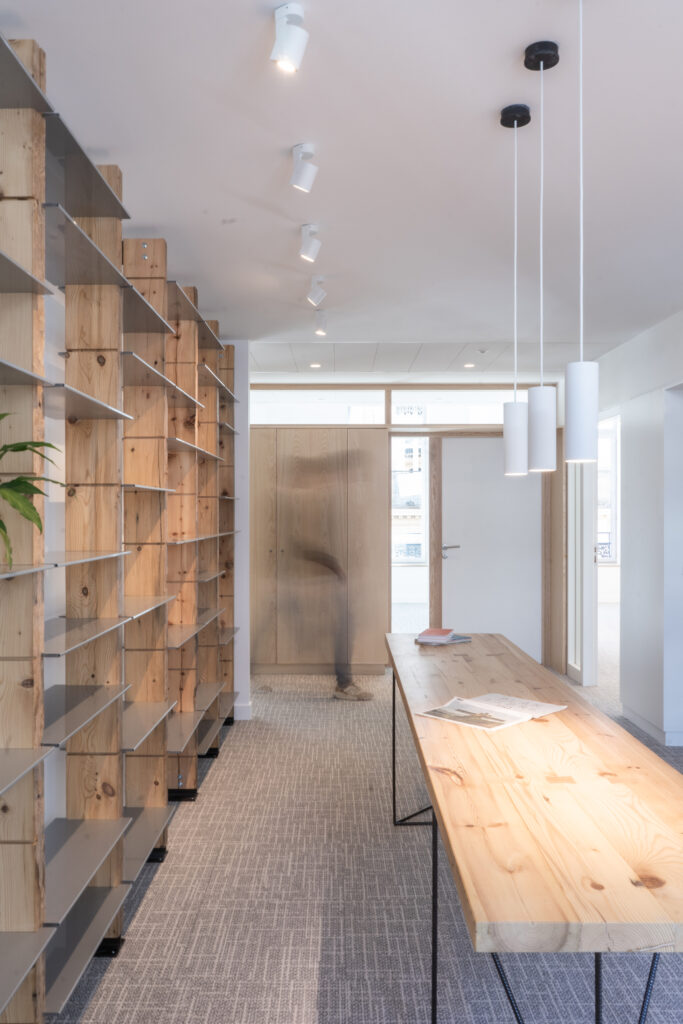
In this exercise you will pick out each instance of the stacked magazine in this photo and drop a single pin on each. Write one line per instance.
(492, 711)
(438, 637)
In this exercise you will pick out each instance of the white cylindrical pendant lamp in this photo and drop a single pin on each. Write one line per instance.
(516, 438)
(581, 412)
(542, 429)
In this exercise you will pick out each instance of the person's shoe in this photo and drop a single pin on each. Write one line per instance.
(352, 692)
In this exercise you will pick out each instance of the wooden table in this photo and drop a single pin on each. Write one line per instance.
(564, 834)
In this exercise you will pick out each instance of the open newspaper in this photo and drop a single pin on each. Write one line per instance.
(492, 711)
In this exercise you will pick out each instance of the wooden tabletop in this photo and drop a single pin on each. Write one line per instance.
(564, 834)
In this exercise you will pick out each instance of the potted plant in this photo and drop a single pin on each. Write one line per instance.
(20, 491)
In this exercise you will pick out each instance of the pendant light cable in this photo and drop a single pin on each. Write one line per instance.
(580, 180)
(514, 264)
(541, 198)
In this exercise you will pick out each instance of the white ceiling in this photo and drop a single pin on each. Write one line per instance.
(414, 190)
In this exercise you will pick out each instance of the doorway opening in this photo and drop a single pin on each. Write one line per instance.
(608, 555)
(409, 534)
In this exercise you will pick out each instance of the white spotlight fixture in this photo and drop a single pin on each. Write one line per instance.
(515, 414)
(304, 172)
(581, 379)
(317, 293)
(291, 38)
(310, 243)
(542, 399)
(321, 323)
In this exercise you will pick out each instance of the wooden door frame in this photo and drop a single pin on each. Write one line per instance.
(553, 544)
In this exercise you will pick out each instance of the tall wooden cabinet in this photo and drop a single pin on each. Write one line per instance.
(320, 511)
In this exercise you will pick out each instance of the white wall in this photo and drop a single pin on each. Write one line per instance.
(636, 381)
(241, 641)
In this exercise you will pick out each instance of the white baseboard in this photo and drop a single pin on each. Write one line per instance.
(242, 712)
(652, 730)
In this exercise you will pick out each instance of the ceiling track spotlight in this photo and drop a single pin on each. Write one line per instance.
(542, 400)
(317, 293)
(291, 38)
(581, 379)
(304, 171)
(310, 243)
(321, 323)
(515, 414)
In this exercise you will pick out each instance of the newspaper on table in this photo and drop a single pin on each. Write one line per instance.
(493, 711)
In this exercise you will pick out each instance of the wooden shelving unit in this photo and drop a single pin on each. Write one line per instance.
(142, 643)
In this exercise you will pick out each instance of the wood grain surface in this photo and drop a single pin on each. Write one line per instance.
(564, 834)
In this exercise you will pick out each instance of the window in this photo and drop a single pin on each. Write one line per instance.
(448, 408)
(309, 406)
(608, 491)
(409, 500)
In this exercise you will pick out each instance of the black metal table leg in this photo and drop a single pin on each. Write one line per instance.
(408, 819)
(598, 988)
(435, 914)
(648, 988)
(508, 988)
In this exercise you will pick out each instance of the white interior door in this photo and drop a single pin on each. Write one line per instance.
(492, 581)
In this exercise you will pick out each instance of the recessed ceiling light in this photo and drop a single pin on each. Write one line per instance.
(304, 172)
(321, 323)
(310, 243)
(316, 366)
(291, 37)
(469, 366)
(317, 293)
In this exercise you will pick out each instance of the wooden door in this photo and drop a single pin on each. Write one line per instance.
(263, 578)
(312, 531)
(368, 558)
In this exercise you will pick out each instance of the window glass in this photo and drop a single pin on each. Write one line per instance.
(450, 407)
(608, 491)
(307, 406)
(409, 493)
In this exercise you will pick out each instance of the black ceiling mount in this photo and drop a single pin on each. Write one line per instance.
(517, 113)
(545, 53)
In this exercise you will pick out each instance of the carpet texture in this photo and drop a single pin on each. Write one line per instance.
(288, 897)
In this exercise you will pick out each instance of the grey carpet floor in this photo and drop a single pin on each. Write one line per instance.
(288, 898)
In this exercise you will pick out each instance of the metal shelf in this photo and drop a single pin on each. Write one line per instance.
(74, 852)
(19, 569)
(63, 635)
(176, 444)
(14, 279)
(228, 698)
(206, 694)
(136, 607)
(138, 373)
(141, 837)
(204, 536)
(18, 953)
(180, 307)
(19, 90)
(140, 719)
(212, 379)
(79, 187)
(15, 376)
(16, 762)
(59, 559)
(61, 401)
(182, 725)
(146, 487)
(71, 257)
(140, 316)
(179, 635)
(227, 635)
(76, 940)
(210, 574)
(207, 732)
(229, 427)
(68, 709)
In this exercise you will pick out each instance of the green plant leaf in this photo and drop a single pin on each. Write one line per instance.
(4, 536)
(29, 446)
(22, 505)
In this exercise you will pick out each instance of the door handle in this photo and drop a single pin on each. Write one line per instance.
(447, 547)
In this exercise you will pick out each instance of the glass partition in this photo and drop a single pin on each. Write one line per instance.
(450, 408)
(329, 407)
